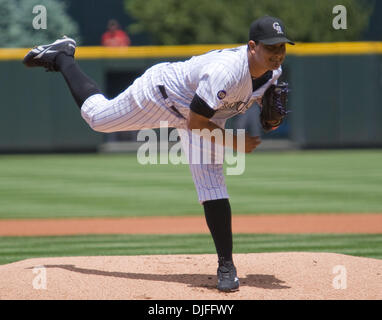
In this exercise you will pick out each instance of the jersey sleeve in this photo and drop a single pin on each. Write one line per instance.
(215, 85)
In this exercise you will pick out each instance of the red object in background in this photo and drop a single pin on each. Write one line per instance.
(114, 36)
(117, 38)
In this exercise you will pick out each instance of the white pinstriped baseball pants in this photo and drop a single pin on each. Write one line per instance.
(141, 106)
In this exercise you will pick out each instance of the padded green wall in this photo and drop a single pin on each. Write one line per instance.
(336, 102)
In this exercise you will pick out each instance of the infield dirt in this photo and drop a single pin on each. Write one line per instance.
(166, 277)
(308, 223)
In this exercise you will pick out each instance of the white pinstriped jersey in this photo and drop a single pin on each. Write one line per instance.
(221, 78)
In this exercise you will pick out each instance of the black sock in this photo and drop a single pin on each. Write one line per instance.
(80, 85)
(218, 217)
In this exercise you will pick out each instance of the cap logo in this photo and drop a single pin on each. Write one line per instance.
(277, 27)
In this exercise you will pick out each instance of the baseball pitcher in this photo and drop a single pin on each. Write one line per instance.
(200, 93)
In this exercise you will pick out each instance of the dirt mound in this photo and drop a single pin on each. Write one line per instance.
(291, 275)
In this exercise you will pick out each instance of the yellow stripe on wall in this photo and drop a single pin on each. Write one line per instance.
(300, 49)
(335, 48)
(146, 51)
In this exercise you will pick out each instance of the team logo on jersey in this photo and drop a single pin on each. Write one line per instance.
(277, 27)
(222, 94)
(239, 106)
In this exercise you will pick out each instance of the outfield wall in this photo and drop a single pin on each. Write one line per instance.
(335, 98)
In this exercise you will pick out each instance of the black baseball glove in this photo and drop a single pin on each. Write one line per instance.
(273, 110)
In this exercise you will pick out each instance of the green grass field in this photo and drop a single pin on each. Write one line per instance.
(50, 186)
(53, 186)
(19, 248)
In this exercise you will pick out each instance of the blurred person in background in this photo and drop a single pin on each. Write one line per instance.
(115, 36)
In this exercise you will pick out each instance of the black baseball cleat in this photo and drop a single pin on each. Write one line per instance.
(227, 276)
(45, 55)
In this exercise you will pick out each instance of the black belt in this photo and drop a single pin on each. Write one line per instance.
(162, 90)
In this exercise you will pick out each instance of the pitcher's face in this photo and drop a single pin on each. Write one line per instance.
(269, 56)
(273, 55)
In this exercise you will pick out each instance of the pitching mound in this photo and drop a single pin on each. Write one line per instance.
(293, 275)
